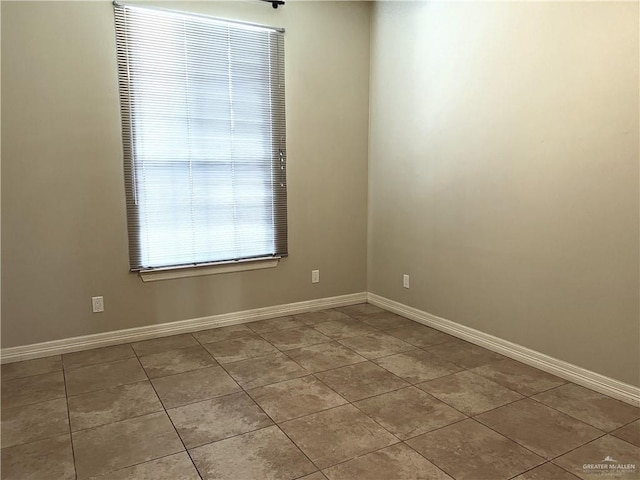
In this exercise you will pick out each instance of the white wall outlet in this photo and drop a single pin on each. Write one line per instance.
(405, 281)
(97, 304)
(315, 276)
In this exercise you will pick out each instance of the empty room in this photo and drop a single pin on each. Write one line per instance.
(320, 240)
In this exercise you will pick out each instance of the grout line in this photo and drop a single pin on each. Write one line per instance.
(528, 470)
(216, 364)
(576, 448)
(91, 362)
(108, 362)
(326, 410)
(364, 360)
(3, 380)
(202, 400)
(298, 447)
(48, 437)
(167, 415)
(138, 354)
(565, 470)
(495, 431)
(163, 352)
(432, 463)
(626, 425)
(34, 403)
(94, 427)
(108, 388)
(399, 442)
(309, 374)
(466, 415)
(66, 398)
(235, 435)
(569, 415)
(100, 475)
(309, 474)
(548, 462)
(245, 391)
(528, 448)
(442, 427)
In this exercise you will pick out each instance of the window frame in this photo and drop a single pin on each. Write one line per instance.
(277, 161)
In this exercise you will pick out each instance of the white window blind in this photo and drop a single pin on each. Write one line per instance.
(203, 119)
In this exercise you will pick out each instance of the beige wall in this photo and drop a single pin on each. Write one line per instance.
(503, 172)
(63, 213)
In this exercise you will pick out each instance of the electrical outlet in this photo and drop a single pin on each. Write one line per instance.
(98, 304)
(315, 276)
(405, 281)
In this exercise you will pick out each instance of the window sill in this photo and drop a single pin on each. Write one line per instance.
(239, 266)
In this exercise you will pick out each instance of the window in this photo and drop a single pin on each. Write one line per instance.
(203, 121)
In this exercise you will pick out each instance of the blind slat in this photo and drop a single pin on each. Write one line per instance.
(203, 120)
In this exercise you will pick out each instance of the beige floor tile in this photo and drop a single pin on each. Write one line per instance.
(260, 371)
(176, 361)
(295, 398)
(194, 386)
(263, 454)
(314, 476)
(360, 309)
(548, 471)
(45, 459)
(97, 355)
(420, 335)
(519, 377)
(112, 405)
(297, 337)
(417, 366)
(384, 320)
(173, 467)
(242, 348)
(409, 412)
(397, 462)
(313, 318)
(591, 461)
(465, 354)
(344, 328)
(362, 380)
(469, 393)
(469, 451)
(541, 429)
(103, 375)
(629, 433)
(273, 324)
(33, 389)
(28, 368)
(164, 344)
(604, 413)
(120, 430)
(218, 418)
(317, 358)
(123, 444)
(376, 345)
(337, 435)
(222, 333)
(27, 423)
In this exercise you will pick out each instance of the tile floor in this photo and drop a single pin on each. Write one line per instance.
(348, 393)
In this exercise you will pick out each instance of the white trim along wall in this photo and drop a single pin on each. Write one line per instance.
(75, 344)
(600, 383)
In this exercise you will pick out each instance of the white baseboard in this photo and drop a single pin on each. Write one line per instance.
(595, 381)
(75, 344)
